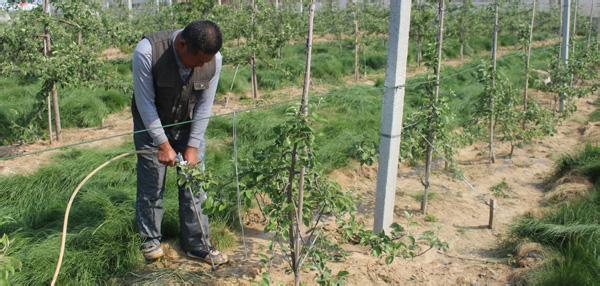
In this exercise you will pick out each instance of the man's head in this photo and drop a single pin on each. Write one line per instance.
(198, 43)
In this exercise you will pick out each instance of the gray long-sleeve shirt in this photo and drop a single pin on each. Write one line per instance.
(143, 88)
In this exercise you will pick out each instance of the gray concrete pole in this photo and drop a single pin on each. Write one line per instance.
(492, 101)
(564, 47)
(574, 34)
(129, 5)
(391, 115)
(528, 58)
(589, 38)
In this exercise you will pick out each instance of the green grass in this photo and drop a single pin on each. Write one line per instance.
(331, 61)
(430, 218)
(500, 190)
(418, 196)
(82, 107)
(585, 163)
(103, 242)
(17, 102)
(595, 116)
(572, 229)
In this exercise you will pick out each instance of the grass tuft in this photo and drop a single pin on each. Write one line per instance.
(573, 229)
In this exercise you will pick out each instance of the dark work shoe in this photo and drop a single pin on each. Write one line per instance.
(152, 251)
(214, 257)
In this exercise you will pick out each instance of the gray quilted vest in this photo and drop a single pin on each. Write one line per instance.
(175, 99)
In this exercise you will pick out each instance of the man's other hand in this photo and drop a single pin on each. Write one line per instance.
(166, 154)
(191, 155)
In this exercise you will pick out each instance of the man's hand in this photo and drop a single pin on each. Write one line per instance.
(166, 154)
(191, 156)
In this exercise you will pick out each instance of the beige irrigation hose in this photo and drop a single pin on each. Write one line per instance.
(68, 209)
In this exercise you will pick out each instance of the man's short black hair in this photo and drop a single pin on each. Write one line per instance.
(204, 36)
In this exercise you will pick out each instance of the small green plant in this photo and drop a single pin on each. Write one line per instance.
(8, 265)
(325, 276)
(221, 236)
(419, 196)
(500, 190)
(430, 218)
(399, 243)
(365, 152)
(201, 180)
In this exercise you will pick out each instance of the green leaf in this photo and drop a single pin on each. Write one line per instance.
(208, 203)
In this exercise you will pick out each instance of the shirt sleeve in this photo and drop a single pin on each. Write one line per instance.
(143, 90)
(203, 108)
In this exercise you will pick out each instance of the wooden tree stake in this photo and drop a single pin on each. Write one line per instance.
(492, 209)
(57, 124)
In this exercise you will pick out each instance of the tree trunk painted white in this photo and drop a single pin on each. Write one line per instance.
(391, 115)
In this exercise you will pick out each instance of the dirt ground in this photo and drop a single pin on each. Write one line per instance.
(461, 212)
(461, 216)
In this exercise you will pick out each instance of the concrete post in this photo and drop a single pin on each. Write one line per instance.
(492, 102)
(564, 47)
(391, 115)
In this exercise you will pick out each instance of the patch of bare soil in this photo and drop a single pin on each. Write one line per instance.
(462, 214)
(113, 54)
(460, 218)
